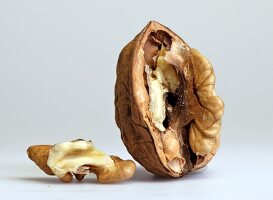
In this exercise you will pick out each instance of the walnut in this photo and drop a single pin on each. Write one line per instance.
(79, 158)
(165, 103)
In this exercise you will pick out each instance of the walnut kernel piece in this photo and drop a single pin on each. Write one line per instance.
(80, 157)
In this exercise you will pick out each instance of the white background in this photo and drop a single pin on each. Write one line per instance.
(57, 76)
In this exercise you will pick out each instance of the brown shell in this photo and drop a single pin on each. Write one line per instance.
(199, 115)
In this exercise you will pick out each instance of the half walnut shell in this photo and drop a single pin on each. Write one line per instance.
(165, 103)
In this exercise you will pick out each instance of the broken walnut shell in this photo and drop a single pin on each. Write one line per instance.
(165, 103)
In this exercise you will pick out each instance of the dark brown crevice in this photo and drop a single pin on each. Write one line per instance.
(166, 122)
(184, 118)
(193, 156)
(172, 98)
(186, 151)
(170, 102)
(180, 113)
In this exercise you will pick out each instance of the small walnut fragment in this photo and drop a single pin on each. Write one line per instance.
(80, 157)
(165, 103)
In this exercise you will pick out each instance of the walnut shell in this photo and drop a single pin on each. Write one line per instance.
(165, 104)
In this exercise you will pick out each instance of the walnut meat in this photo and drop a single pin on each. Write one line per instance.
(79, 158)
(165, 103)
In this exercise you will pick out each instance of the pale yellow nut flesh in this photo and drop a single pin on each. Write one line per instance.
(160, 81)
